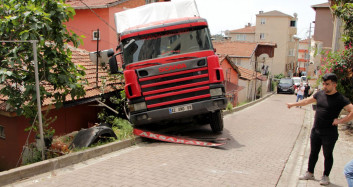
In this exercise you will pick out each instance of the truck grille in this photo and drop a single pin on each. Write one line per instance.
(176, 88)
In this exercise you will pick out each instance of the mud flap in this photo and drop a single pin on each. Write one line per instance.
(87, 137)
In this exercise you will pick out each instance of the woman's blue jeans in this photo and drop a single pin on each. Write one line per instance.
(348, 172)
(299, 97)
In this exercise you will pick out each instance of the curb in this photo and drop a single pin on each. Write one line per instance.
(235, 109)
(295, 163)
(23, 172)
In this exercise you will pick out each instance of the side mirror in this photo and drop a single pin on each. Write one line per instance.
(103, 56)
(113, 64)
(119, 46)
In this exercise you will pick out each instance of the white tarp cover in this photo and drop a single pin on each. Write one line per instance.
(155, 12)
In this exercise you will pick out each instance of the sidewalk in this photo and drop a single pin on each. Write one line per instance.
(298, 161)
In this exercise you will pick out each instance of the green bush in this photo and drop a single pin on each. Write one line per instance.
(340, 63)
(229, 106)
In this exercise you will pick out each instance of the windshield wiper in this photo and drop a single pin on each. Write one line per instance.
(186, 57)
(153, 63)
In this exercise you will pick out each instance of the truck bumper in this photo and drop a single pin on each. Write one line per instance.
(155, 116)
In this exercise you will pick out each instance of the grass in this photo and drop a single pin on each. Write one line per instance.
(243, 103)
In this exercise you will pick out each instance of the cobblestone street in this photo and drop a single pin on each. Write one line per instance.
(261, 140)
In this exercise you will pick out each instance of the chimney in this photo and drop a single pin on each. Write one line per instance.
(260, 12)
(249, 24)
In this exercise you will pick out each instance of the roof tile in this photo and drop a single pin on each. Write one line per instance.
(235, 49)
(81, 57)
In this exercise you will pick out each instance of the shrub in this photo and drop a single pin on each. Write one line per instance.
(340, 63)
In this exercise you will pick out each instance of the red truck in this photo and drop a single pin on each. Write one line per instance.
(171, 72)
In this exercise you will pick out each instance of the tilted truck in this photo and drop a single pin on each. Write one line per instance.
(170, 67)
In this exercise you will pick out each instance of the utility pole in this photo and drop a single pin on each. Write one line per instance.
(36, 75)
(98, 36)
(309, 50)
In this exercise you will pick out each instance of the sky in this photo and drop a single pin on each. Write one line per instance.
(235, 14)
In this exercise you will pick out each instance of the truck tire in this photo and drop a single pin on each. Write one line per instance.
(216, 121)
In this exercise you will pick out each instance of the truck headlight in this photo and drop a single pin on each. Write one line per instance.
(216, 92)
(138, 106)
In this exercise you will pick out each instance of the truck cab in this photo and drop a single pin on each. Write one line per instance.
(172, 72)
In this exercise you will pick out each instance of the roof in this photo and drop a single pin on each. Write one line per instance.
(248, 74)
(77, 4)
(322, 5)
(235, 49)
(274, 13)
(80, 57)
(248, 29)
(231, 63)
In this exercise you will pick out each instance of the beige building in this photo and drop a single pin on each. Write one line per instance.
(280, 28)
(275, 27)
(246, 34)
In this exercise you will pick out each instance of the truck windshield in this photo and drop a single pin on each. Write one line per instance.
(166, 43)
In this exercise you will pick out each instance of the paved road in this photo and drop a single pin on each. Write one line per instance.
(261, 140)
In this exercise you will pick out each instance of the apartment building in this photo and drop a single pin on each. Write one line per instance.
(279, 28)
(323, 24)
(303, 55)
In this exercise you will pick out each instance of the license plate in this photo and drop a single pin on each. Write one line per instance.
(177, 109)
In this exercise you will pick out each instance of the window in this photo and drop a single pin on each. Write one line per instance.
(293, 23)
(238, 61)
(2, 132)
(291, 52)
(291, 38)
(262, 36)
(96, 35)
(263, 21)
(241, 37)
(166, 43)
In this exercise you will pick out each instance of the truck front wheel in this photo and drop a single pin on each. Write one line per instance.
(216, 121)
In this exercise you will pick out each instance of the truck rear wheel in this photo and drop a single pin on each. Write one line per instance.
(216, 121)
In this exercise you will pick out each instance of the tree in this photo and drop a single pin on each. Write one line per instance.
(40, 20)
(343, 9)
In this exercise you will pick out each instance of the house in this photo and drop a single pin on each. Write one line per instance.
(249, 55)
(273, 27)
(246, 57)
(244, 34)
(252, 83)
(241, 53)
(73, 116)
(231, 79)
(92, 15)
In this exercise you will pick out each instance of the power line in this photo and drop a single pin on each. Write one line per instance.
(98, 16)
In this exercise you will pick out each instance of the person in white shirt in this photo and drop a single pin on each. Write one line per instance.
(300, 93)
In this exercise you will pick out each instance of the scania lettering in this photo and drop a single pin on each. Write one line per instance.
(171, 70)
